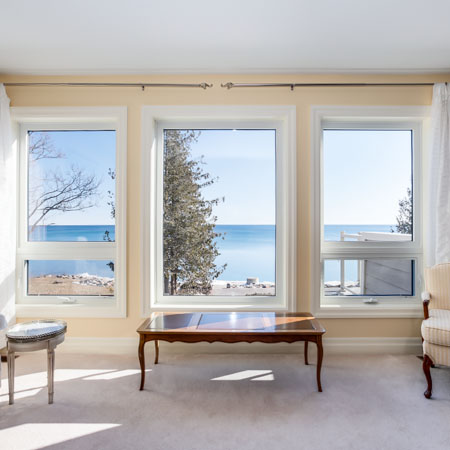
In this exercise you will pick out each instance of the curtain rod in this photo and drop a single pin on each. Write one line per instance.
(228, 85)
(294, 85)
(141, 85)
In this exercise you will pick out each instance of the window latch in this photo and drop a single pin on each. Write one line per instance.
(68, 300)
(370, 301)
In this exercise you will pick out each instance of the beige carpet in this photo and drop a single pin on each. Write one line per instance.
(226, 402)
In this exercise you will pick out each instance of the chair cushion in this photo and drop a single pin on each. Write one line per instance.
(35, 331)
(436, 329)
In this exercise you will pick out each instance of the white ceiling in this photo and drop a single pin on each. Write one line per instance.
(240, 36)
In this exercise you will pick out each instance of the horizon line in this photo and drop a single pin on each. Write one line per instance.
(229, 224)
(355, 224)
(102, 224)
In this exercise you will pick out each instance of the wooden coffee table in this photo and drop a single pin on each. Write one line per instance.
(269, 327)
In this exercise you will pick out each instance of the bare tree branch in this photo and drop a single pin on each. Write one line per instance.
(40, 146)
(73, 190)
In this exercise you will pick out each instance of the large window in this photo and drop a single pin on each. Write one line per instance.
(367, 221)
(219, 204)
(71, 215)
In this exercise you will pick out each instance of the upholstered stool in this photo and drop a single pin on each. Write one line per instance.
(31, 336)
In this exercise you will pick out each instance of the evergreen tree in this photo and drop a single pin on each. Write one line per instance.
(188, 223)
(405, 214)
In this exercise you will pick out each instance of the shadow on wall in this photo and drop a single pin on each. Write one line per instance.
(7, 305)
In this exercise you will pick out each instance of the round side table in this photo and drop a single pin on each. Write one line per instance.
(32, 336)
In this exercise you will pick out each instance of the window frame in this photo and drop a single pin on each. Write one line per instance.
(154, 120)
(367, 117)
(73, 118)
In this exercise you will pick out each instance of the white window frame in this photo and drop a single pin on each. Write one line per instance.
(71, 118)
(414, 118)
(154, 118)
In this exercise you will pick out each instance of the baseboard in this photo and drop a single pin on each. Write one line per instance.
(380, 345)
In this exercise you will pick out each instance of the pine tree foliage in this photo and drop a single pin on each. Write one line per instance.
(405, 214)
(189, 245)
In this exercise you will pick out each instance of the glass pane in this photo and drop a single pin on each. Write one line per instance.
(367, 185)
(71, 277)
(71, 185)
(366, 277)
(219, 212)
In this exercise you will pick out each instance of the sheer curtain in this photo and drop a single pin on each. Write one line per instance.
(438, 242)
(7, 218)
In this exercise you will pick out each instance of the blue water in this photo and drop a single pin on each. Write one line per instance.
(72, 233)
(248, 250)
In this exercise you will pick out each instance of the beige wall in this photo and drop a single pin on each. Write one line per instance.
(302, 98)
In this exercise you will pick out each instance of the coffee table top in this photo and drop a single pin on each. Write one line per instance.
(231, 322)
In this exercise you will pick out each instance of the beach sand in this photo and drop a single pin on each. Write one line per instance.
(70, 285)
(66, 285)
(238, 288)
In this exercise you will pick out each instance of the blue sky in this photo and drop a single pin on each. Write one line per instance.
(244, 163)
(92, 151)
(365, 174)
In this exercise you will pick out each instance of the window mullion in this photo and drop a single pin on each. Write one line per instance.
(367, 253)
(67, 251)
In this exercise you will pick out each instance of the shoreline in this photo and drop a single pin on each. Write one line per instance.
(86, 284)
(81, 284)
(242, 288)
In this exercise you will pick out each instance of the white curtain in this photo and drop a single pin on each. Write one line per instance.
(438, 242)
(7, 218)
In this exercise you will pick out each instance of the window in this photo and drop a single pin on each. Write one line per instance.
(71, 227)
(222, 205)
(367, 226)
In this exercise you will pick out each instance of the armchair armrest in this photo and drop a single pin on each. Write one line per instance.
(426, 301)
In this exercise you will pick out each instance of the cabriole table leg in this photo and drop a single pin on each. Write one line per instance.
(142, 361)
(319, 361)
(156, 352)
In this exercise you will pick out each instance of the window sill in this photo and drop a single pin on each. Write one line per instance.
(111, 310)
(219, 307)
(412, 309)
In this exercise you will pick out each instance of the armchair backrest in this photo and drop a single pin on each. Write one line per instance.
(437, 282)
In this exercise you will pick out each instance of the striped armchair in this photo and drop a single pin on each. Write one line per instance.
(436, 326)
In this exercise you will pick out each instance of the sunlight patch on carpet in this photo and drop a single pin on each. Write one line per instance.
(32, 436)
(115, 374)
(262, 375)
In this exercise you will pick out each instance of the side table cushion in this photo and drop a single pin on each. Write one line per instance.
(38, 330)
(436, 329)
